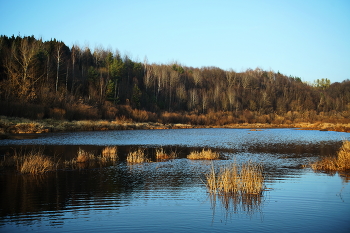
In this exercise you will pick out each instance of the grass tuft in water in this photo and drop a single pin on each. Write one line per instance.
(33, 162)
(109, 153)
(137, 156)
(162, 155)
(340, 162)
(234, 179)
(203, 155)
(84, 156)
(37, 163)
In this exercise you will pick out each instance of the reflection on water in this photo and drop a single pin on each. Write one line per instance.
(344, 175)
(170, 195)
(237, 204)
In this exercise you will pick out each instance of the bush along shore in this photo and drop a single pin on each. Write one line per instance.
(14, 125)
(26, 126)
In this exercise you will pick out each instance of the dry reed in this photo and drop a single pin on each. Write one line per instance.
(137, 156)
(339, 163)
(36, 163)
(245, 179)
(161, 155)
(203, 155)
(109, 153)
(33, 162)
(84, 156)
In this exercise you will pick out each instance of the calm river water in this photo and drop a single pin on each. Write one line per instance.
(170, 196)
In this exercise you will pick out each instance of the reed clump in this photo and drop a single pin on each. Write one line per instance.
(109, 153)
(137, 156)
(204, 155)
(340, 162)
(33, 162)
(162, 155)
(36, 164)
(84, 156)
(234, 179)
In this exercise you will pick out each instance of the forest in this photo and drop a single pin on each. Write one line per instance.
(47, 79)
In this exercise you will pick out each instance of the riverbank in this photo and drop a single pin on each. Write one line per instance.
(338, 127)
(12, 125)
(15, 125)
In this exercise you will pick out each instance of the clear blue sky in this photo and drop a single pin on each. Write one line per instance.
(305, 38)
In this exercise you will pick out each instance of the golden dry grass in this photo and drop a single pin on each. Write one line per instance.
(84, 156)
(203, 155)
(339, 163)
(36, 163)
(245, 179)
(162, 155)
(33, 162)
(137, 156)
(109, 153)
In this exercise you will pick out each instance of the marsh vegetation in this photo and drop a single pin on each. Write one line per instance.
(205, 154)
(36, 162)
(338, 162)
(257, 184)
(246, 178)
(137, 156)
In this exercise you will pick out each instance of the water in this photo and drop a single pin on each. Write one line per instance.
(170, 196)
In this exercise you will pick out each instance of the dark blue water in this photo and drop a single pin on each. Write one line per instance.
(171, 196)
(223, 138)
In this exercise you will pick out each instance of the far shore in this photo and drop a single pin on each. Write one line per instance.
(10, 126)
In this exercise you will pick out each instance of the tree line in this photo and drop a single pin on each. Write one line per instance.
(48, 79)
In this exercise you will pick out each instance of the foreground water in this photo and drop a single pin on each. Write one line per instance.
(170, 196)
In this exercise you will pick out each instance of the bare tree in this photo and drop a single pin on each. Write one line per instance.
(193, 101)
(74, 54)
(59, 53)
(246, 81)
(231, 77)
(20, 67)
(197, 77)
(174, 77)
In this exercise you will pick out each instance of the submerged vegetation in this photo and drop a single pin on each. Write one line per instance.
(340, 162)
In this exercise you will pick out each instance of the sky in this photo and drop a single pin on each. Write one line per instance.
(309, 39)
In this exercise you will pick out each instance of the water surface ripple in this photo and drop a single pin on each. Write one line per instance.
(171, 196)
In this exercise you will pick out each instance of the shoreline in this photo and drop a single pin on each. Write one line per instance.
(17, 126)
